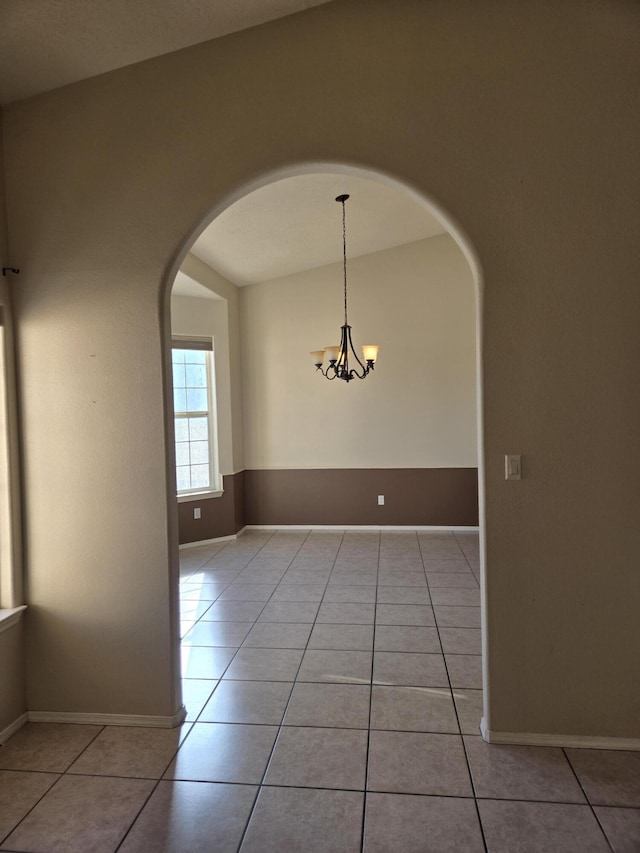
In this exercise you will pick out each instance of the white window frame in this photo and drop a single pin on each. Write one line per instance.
(11, 582)
(180, 342)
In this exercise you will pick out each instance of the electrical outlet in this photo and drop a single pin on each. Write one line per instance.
(196, 512)
(380, 500)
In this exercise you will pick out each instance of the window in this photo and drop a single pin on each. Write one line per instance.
(194, 413)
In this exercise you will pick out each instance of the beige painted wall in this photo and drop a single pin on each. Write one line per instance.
(210, 318)
(417, 410)
(12, 694)
(520, 119)
(231, 387)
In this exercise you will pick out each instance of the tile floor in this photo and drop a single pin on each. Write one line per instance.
(332, 682)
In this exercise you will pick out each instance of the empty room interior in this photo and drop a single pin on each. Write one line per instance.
(246, 605)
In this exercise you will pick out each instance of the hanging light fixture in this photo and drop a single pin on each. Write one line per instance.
(339, 357)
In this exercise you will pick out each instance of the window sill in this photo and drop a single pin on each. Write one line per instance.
(198, 496)
(11, 617)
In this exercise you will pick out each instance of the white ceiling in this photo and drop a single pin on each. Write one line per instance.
(183, 285)
(295, 224)
(45, 44)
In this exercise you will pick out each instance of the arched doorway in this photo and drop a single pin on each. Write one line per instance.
(454, 234)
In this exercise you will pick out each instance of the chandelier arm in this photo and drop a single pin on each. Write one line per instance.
(355, 355)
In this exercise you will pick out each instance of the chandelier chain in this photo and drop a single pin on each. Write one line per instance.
(344, 257)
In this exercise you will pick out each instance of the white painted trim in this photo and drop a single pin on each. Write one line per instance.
(13, 727)
(11, 617)
(407, 527)
(570, 741)
(191, 497)
(201, 542)
(108, 719)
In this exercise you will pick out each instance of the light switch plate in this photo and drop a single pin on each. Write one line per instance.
(513, 467)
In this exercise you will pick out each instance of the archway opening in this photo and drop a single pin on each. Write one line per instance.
(303, 454)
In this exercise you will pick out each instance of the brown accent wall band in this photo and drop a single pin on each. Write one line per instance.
(222, 516)
(413, 496)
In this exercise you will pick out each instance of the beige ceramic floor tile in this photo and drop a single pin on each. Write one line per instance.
(622, 828)
(461, 641)
(309, 757)
(261, 702)
(412, 824)
(345, 637)
(407, 638)
(416, 763)
(404, 595)
(80, 814)
(451, 580)
(229, 634)
(198, 817)
(343, 667)
(469, 708)
(538, 827)
(195, 694)
(224, 752)
(248, 592)
(609, 778)
(457, 617)
(48, 747)
(205, 661)
(404, 614)
(130, 751)
(292, 820)
(342, 613)
(265, 665)
(413, 709)
(19, 792)
(278, 635)
(465, 670)
(234, 611)
(289, 611)
(521, 772)
(455, 597)
(350, 594)
(409, 669)
(334, 705)
(298, 592)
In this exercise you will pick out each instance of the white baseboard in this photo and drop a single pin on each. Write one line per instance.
(107, 719)
(13, 727)
(202, 542)
(570, 741)
(405, 527)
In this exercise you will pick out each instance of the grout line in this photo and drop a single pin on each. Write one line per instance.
(373, 657)
(455, 709)
(277, 737)
(588, 801)
(62, 774)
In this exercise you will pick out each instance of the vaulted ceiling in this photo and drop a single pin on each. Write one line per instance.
(45, 44)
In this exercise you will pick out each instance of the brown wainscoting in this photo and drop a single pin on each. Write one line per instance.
(413, 496)
(222, 516)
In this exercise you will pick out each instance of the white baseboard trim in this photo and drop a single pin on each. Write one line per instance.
(13, 727)
(202, 542)
(107, 719)
(571, 741)
(405, 527)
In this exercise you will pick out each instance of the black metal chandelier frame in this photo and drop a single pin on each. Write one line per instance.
(339, 368)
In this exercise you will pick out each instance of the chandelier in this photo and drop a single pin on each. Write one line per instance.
(343, 360)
